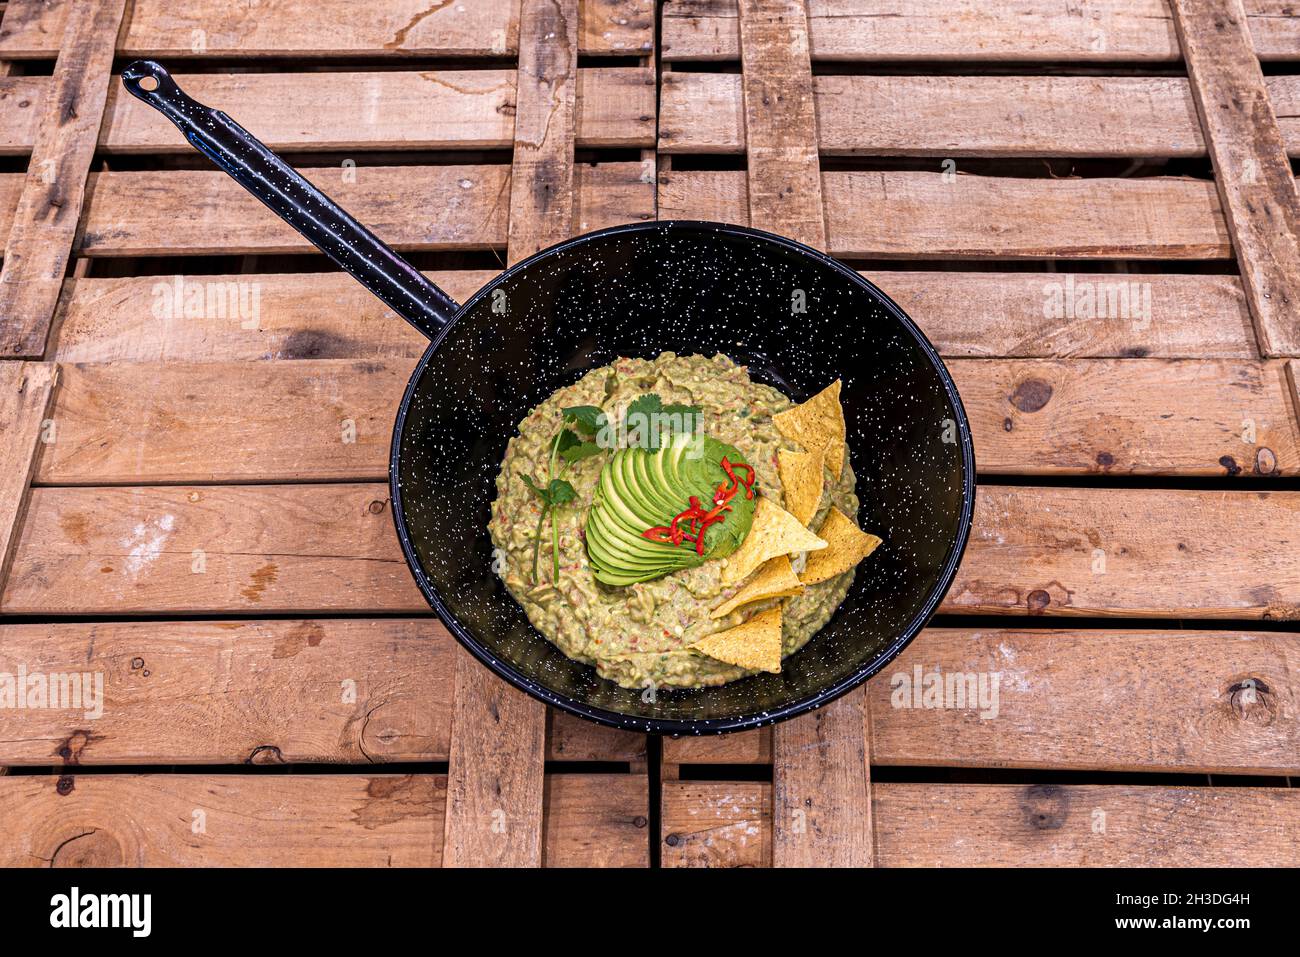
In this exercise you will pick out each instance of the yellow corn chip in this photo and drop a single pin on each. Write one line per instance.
(773, 532)
(776, 579)
(802, 478)
(754, 644)
(818, 424)
(846, 546)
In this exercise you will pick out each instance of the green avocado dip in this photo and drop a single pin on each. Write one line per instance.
(570, 518)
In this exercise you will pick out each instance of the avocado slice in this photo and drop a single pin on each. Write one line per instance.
(639, 489)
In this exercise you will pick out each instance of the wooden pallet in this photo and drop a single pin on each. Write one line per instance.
(447, 123)
(192, 502)
(942, 160)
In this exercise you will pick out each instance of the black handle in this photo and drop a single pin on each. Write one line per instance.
(296, 201)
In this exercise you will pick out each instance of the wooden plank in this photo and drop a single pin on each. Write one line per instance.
(1173, 316)
(303, 549)
(385, 110)
(495, 776)
(821, 771)
(542, 175)
(316, 548)
(616, 26)
(309, 691)
(327, 28)
(968, 115)
(974, 825)
(1115, 416)
(324, 690)
(277, 820)
(21, 98)
(37, 250)
(246, 317)
(1072, 700)
(596, 820)
(821, 787)
(26, 392)
(569, 738)
(1034, 551)
(1256, 186)
(206, 213)
(331, 419)
(783, 174)
(11, 188)
(919, 215)
(216, 422)
(329, 316)
(1105, 31)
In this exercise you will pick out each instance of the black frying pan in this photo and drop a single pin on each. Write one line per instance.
(685, 287)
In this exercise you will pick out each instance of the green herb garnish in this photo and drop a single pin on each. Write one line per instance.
(646, 408)
(569, 447)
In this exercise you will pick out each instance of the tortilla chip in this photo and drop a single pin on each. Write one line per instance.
(776, 579)
(802, 477)
(754, 644)
(846, 546)
(818, 424)
(773, 532)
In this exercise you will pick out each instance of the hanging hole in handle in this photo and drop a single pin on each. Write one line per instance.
(148, 83)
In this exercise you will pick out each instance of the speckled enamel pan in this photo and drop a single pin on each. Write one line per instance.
(797, 318)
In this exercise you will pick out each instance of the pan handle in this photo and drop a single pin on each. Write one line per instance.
(296, 201)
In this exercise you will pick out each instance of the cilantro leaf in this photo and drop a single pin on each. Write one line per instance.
(560, 492)
(589, 418)
(539, 492)
(650, 423)
(678, 409)
(583, 450)
(646, 405)
(571, 448)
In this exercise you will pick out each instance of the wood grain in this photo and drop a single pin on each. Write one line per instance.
(1105, 31)
(26, 393)
(920, 215)
(304, 549)
(316, 548)
(822, 765)
(1034, 551)
(1256, 186)
(215, 422)
(303, 820)
(1134, 700)
(398, 110)
(1083, 116)
(262, 692)
(542, 174)
(1118, 416)
(292, 316)
(40, 241)
(226, 692)
(137, 213)
(331, 419)
(494, 776)
(329, 316)
(821, 787)
(783, 173)
(971, 825)
(992, 314)
(327, 28)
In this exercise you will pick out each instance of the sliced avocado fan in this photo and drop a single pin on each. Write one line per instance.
(639, 489)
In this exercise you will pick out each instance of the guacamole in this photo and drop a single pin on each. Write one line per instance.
(639, 634)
